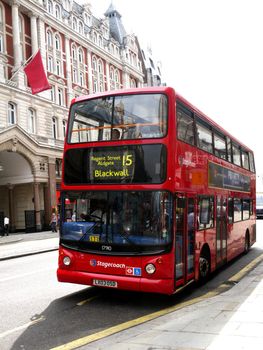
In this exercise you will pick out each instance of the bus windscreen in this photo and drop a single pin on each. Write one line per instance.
(118, 117)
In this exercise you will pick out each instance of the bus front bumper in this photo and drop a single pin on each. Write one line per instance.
(139, 284)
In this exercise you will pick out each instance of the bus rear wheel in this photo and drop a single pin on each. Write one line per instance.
(204, 267)
(247, 243)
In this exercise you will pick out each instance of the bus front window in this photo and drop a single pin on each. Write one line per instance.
(131, 116)
(135, 221)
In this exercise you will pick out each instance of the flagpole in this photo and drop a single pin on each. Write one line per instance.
(22, 66)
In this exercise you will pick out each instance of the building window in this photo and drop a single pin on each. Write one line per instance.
(74, 53)
(133, 83)
(58, 67)
(49, 39)
(50, 6)
(60, 97)
(75, 76)
(81, 28)
(57, 42)
(50, 64)
(81, 78)
(31, 120)
(58, 167)
(74, 24)
(64, 127)
(54, 127)
(52, 93)
(11, 113)
(80, 56)
(57, 12)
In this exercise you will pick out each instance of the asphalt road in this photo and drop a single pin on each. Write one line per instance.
(38, 313)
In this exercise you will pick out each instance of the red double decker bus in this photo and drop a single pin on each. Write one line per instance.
(154, 194)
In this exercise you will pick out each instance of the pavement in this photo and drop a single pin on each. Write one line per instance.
(22, 244)
(229, 320)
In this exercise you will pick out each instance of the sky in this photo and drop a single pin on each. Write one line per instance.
(211, 53)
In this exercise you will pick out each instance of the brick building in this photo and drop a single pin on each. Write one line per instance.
(82, 54)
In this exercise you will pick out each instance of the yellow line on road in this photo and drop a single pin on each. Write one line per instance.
(126, 325)
(83, 302)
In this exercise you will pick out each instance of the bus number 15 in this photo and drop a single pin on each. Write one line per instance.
(127, 160)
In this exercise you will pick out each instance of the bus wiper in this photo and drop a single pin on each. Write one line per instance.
(125, 236)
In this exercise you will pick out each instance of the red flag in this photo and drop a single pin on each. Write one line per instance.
(36, 75)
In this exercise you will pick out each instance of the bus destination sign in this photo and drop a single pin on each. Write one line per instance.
(111, 165)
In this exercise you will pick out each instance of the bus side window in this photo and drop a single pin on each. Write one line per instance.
(230, 210)
(246, 209)
(204, 138)
(185, 127)
(206, 212)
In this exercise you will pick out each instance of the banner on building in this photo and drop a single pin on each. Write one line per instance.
(36, 74)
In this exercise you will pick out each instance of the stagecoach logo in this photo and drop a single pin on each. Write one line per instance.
(94, 262)
(186, 160)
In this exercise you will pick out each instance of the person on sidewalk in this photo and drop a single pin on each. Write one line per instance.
(53, 222)
(6, 226)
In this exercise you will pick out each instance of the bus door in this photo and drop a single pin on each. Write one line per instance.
(185, 215)
(221, 230)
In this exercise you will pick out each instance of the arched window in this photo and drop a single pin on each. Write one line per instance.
(50, 7)
(94, 64)
(58, 12)
(74, 52)
(80, 55)
(60, 97)
(49, 39)
(81, 28)
(100, 41)
(133, 83)
(74, 23)
(50, 64)
(57, 42)
(54, 127)
(58, 67)
(64, 127)
(31, 120)
(95, 37)
(117, 78)
(11, 113)
(100, 75)
(112, 83)
(81, 79)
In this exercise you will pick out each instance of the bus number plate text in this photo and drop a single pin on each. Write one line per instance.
(104, 283)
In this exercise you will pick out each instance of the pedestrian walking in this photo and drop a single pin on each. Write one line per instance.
(53, 222)
(6, 226)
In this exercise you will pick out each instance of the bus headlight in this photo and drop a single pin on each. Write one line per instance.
(150, 269)
(66, 261)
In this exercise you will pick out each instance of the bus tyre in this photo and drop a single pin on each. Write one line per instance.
(247, 243)
(204, 268)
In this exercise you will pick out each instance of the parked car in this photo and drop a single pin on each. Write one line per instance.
(259, 207)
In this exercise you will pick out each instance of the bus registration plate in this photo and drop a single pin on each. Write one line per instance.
(104, 283)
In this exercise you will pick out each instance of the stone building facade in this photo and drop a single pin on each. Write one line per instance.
(82, 54)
